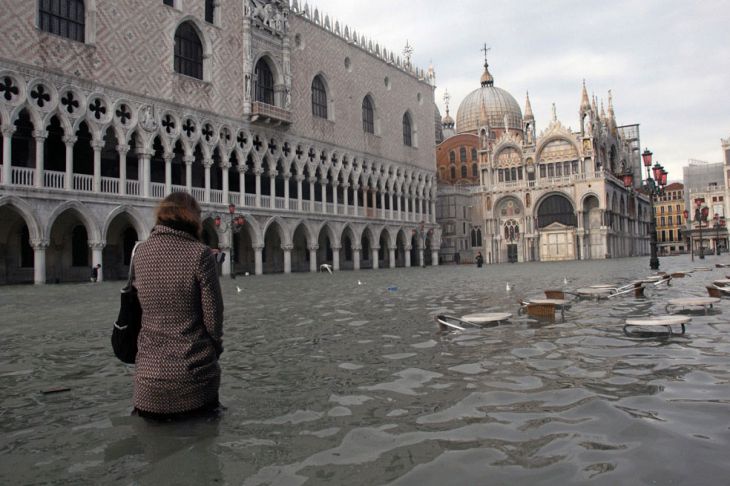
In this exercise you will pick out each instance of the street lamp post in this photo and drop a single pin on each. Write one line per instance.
(655, 187)
(688, 219)
(701, 213)
(234, 224)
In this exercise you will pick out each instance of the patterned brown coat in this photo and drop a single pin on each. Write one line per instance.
(182, 323)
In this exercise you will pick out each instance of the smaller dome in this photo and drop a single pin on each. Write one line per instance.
(487, 79)
(448, 120)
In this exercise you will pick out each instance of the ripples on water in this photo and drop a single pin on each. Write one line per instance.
(331, 382)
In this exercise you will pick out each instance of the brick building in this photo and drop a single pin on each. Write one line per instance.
(669, 220)
(322, 139)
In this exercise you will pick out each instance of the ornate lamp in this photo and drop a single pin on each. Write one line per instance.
(646, 157)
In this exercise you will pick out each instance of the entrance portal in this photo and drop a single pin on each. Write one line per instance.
(512, 253)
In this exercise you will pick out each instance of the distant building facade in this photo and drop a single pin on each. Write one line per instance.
(323, 139)
(670, 220)
(549, 197)
(706, 186)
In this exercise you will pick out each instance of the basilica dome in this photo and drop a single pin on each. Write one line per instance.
(497, 103)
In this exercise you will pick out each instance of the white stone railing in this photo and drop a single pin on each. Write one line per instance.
(292, 204)
(54, 179)
(178, 188)
(306, 206)
(83, 182)
(265, 202)
(157, 189)
(280, 203)
(133, 188)
(234, 198)
(198, 193)
(250, 200)
(216, 196)
(22, 176)
(110, 185)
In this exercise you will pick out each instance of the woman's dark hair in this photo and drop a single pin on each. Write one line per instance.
(180, 211)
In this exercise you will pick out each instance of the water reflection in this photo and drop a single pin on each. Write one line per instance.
(328, 381)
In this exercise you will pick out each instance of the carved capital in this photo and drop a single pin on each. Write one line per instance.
(8, 130)
(39, 244)
(207, 163)
(188, 159)
(97, 145)
(242, 168)
(258, 247)
(97, 245)
(40, 135)
(287, 247)
(168, 157)
(122, 149)
(313, 247)
(70, 140)
(300, 177)
(258, 171)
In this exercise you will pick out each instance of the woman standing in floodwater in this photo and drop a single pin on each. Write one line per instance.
(177, 372)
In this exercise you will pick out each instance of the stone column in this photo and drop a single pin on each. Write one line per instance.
(168, 172)
(581, 245)
(433, 211)
(345, 199)
(435, 258)
(323, 183)
(375, 253)
(356, 257)
(355, 190)
(399, 200)
(413, 209)
(421, 259)
(40, 138)
(336, 258)
(225, 166)
(408, 256)
(258, 259)
(96, 146)
(334, 197)
(242, 184)
(374, 201)
(7, 154)
(122, 151)
(69, 178)
(189, 159)
(313, 258)
(257, 172)
(39, 262)
(272, 191)
(97, 247)
(300, 178)
(312, 180)
(390, 202)
(225, 247)
(382, 205)
(286, 191)
(287, 257)
(146, 177)
(207, 164)
(391, 257)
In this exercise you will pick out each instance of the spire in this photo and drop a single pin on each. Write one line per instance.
(585, 105)
(528, 108)
(611, 114)
(447, 121)
(603, 112)
(487, 79)
(555, 113)
(594, 106)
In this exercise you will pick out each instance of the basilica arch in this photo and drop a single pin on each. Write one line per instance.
(557, 227)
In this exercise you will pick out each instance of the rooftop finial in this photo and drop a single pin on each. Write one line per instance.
(487, 79)
(447, 99)
(407, 53)
(555, 113)
(585, 104)
(528, 108)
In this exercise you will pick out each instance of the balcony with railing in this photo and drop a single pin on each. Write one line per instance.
(82, 184)
(269, 114)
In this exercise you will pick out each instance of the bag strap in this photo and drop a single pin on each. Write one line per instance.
(130, 278)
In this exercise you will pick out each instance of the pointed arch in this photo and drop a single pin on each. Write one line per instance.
(84, 214)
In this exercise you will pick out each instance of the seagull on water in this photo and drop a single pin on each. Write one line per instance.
(508, 288)
(565, 280)
(359, 282)
(239, 289)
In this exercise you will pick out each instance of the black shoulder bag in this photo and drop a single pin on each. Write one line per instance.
(126, 328)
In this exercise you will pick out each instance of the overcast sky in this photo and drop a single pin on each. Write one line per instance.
(667, 62)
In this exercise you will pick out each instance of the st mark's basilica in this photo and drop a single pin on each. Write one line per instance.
(517, 195)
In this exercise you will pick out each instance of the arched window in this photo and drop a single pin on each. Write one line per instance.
(407, 130)
(188, 51)
(62, 17)
(474, 170)
(479, 237)
(171, 3)
(462, 154)
(368, 115)
(209, 10)
(463, 171)
(474, 237)
(453, 172)
(452, 157)
(264, 83)
(319, 98)
(473, 155)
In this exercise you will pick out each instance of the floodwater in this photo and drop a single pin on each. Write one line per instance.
(344, 379)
